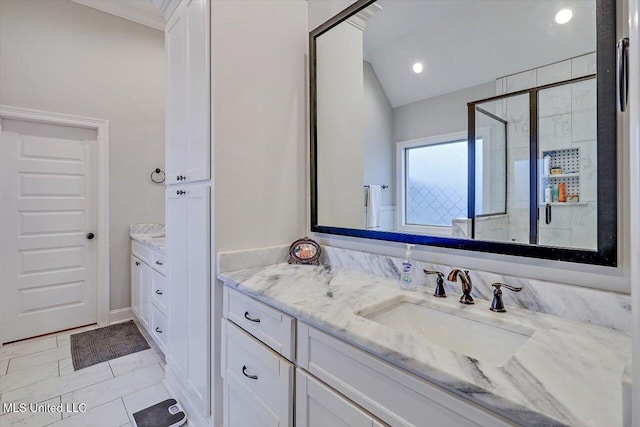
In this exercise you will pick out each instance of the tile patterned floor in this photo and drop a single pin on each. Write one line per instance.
(40, 371)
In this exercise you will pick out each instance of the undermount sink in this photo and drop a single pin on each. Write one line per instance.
(457, 330)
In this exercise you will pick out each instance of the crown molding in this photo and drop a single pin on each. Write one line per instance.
(166, 6)
(359, 20)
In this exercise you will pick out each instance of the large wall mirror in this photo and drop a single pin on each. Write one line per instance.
(486, 125)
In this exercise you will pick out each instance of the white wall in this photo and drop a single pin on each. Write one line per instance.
(379, 147)
(259, 130)
(340, 126)
(616, 279)
(59, 56)
(438, 115)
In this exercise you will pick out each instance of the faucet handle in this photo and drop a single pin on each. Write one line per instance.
(439, 291)
(497, 305)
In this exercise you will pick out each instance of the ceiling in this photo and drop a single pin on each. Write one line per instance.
(463, 43)
(140, 11)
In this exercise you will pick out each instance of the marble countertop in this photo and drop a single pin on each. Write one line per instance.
(566, 373)
(151, 235)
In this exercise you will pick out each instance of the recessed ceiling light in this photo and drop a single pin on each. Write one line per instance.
(417, 67)
(564, 16)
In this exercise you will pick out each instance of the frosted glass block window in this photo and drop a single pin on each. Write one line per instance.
(436, 183)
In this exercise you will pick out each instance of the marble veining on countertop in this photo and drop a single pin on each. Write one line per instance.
(151, 235)
(566, 373)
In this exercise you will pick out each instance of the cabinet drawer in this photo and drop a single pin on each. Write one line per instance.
(158, 328)
(159, 296)
(389, 393)
(141, 251)
(258, 384)
(272, 327)
(158, 262)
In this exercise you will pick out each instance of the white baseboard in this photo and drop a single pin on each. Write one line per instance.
(120, 315)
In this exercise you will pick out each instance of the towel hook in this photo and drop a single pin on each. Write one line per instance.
(157, 171)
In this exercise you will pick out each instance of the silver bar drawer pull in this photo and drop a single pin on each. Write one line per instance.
(252, 319)
(244, 372)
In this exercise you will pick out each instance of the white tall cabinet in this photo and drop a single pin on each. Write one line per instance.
(188, 207)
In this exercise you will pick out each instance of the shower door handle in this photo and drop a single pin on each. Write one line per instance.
(623, 73)
(547, 216)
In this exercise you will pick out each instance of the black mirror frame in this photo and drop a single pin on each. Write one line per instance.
(606, 254)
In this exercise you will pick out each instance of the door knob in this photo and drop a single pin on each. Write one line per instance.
(90, 236)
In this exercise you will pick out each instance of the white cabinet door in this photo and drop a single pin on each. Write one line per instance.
(196, 295)
(188, 95)
(145, 297)
(140, 283)
(176, 108)
(258, 383)
(136, 267)
(199, 100)
(188, 283)
(319, 406)
(176, 249)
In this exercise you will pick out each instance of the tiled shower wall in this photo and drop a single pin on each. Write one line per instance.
(567, 117)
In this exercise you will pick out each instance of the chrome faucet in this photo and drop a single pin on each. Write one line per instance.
(497, 304)
(439, 291)
(465, 279)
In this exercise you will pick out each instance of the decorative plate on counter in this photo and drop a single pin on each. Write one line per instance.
(304, 251)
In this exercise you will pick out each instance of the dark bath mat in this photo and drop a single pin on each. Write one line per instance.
(100, 345)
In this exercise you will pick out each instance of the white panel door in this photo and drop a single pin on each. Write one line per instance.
(48, 208)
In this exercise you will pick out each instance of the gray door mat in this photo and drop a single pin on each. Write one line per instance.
(164, 414)
(103, 344)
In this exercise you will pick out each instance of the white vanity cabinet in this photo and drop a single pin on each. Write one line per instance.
(148, 291)
(337, 384)
(188, 101)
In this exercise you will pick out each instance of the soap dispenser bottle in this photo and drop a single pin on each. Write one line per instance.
(406, 278)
